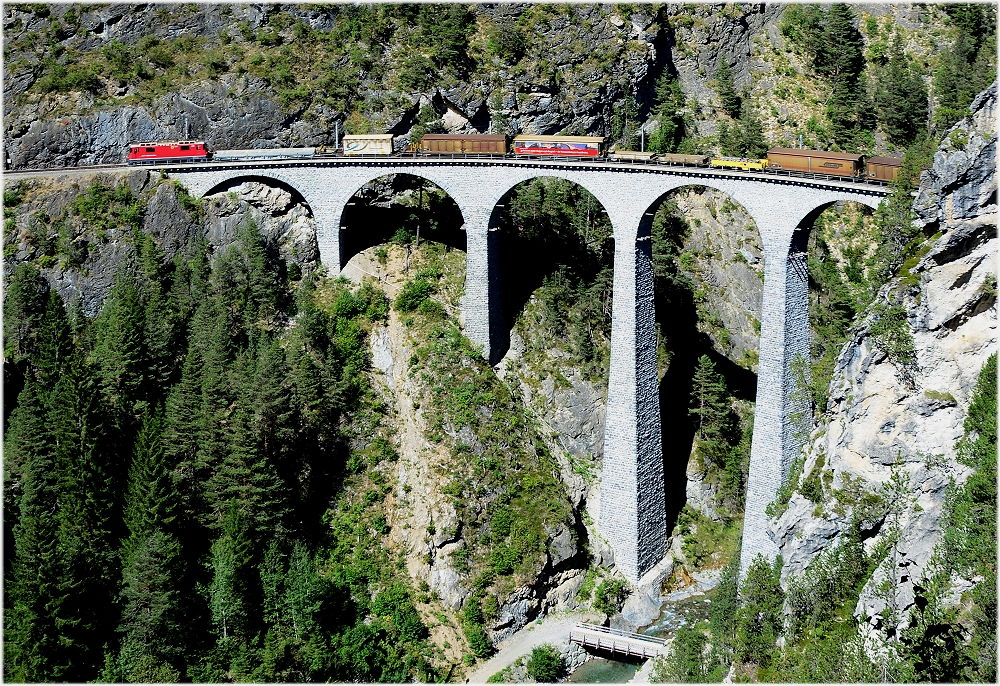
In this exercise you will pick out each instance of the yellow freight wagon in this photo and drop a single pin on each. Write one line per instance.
(744, 163)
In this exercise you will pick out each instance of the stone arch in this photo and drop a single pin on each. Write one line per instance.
(206, 184)
(353, 213)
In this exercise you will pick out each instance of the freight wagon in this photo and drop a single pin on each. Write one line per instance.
(368, 144)
(168, 151)
(814, 161)
(744, 163)
(463, 144)
(670, 158)
(559, 146)
(630, 155)
(263, 154)
(883, 168)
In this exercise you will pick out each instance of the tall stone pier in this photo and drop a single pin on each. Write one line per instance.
(633, 510)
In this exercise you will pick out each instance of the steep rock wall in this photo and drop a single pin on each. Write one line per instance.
(883, 419)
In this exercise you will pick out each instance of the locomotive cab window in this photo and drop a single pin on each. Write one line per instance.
(150, 149)
(185, 147)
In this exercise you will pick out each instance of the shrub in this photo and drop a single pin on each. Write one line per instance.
(413, 295)
(478, 641)
(545, 664)
(610, 596)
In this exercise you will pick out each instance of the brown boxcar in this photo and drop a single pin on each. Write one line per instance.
(815, 161)
(463, 144)
(883, 168)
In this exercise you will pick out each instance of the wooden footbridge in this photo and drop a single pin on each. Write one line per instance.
(617, 642)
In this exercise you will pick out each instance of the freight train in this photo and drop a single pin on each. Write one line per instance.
(779, 160)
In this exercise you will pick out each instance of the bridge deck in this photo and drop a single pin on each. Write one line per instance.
(617, 642)
(781, 178)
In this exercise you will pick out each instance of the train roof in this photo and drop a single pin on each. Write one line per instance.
(801, 152)
(461, 136)
(887, 161)
(556, 139)
(201, 142)
(376, 136)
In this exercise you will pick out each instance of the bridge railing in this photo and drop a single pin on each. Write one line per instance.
(618, 632)
(617, 642)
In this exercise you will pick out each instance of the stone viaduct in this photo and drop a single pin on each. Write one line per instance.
(632, 507)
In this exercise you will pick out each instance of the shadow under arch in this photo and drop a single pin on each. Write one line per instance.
(677, 318)
(372, 216)
(550, 228)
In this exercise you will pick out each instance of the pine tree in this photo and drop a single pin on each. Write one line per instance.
(86, 545)
(759, 619)
(669, 103)
(181, 431)
(151, 620)
(55, 343)
(23, 310)
(152, 499)
(33, 641)
(231, 560)
(725, 87)
(708, 395)
(212, 330)
(901, 98)
(120, 349)
(160, 339)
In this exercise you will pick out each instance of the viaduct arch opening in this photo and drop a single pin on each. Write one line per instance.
(554, 235)
(707, 261)
(395, 207)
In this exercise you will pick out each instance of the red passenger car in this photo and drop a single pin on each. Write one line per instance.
(167, 152)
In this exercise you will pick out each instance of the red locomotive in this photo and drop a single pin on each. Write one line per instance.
(168, 151)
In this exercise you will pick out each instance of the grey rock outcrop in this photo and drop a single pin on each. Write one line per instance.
(87, 271)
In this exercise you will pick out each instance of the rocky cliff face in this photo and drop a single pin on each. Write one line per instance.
(891, 428)
(82, 82)
(81, 260)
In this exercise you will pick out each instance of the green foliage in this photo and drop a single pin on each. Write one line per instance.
(142, 536)
(505, 39)
(414, 294)
(725, 87)
(610, 595)
(670, 132)
(428, 121)
(967, 67)
(745, 138)
(690, 660)
(104, 208)
(394, 602)
(901, 97)
(758, 621)
(892, 336)
(833, 47)
(545, 664)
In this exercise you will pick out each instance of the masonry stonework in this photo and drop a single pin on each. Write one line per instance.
(632, 507)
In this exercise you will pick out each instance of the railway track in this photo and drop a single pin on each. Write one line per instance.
(695, 171)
